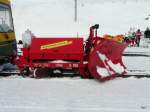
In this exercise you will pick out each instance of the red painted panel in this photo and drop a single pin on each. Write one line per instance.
(57, 48)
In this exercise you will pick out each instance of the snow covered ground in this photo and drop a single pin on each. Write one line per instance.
(74, 95)
(19, 94)
(139, 64)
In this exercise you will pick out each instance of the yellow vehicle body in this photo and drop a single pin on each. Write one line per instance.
(5, 2)
(7, 35)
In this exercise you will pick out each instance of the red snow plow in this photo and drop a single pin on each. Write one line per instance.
(99, 57)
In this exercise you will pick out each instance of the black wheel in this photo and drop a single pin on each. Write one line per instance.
(41, 72)
(25, 72)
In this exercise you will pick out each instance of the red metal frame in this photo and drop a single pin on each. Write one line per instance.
(43, 52)
(71, 50)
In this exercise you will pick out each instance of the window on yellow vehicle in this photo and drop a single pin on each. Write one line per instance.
(6, 24)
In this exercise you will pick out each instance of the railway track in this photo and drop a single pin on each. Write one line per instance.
(137, 54)
(6, 74)
(137, 76)
(130, 73)
(9, 72)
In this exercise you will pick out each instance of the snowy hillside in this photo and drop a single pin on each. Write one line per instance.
(56, 17)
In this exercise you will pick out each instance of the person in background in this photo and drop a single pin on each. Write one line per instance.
(131, 36)
(126, 38)
(147, 33)
(138, 35)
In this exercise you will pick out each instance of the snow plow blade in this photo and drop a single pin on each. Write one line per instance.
(105, 61)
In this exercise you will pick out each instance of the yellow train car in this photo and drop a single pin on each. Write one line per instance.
(8, 48)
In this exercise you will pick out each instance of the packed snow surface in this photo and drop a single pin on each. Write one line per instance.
(74, 95)
(138, 63)
(19, 94)
(56, 18)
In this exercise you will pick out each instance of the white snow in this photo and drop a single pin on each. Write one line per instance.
(138, 50)
(74, 95)
(55, 18)
(101, 56)
(116, 67)
(59, 61)
(19, 94)
(103, 72)
(139, 63)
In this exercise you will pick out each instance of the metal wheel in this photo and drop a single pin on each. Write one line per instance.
(41, 73)
(25, 72)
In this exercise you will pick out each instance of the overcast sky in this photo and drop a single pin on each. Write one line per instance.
(56, 17)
